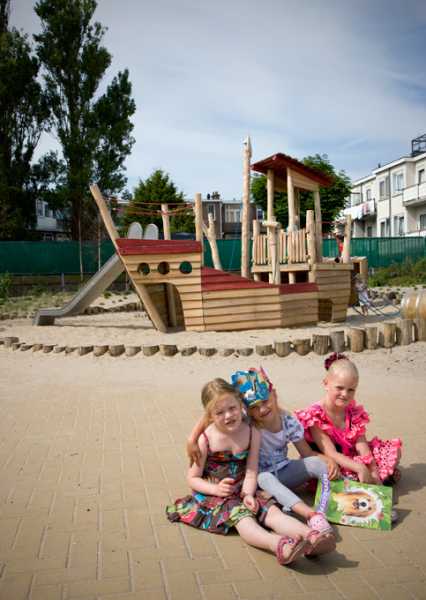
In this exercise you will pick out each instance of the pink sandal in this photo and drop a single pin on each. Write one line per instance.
(321, 542)
(289, 549)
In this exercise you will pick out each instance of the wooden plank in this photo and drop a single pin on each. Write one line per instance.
(294, 310)
(293, 297)
(255, 324)
(302, 321)
(193, 312)
(229, 302)
(333, 266)
(237, 318)
(333, 286)
(302, 182)
(283, 268)
(260, 308)
(249, 292)
(175, 260)
(189, 321)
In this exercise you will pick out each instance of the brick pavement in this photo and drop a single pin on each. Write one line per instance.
(89, 459)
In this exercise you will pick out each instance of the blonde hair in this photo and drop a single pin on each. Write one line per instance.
(343, 365)
(214, 390)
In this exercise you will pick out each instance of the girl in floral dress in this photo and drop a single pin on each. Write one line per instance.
(337, 427)
(224, 483)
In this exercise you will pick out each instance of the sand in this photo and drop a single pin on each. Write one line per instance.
(92, 449)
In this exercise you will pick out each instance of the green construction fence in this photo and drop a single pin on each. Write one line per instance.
(55, 258)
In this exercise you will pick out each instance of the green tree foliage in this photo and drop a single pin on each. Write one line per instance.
(23, 115)
(94, 131)
(158, 188)
(332, 198)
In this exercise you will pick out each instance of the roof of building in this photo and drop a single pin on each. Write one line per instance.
(279, 163)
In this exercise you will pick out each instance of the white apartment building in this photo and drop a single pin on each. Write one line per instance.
(392, 200)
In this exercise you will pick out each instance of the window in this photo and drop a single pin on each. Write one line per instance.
(423, 221)
(39, 208)
(384, 228)
(369, 231)
(397, 182)
(211, 210)
(355, 198)
(259, 214)
(384, 188)
(398, 225)
(232, 214)
(421, 176)
(368, 194)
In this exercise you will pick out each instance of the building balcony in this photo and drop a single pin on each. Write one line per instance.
(362, 211)
(415, 195)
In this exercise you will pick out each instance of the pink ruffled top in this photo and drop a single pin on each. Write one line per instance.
(385, 453)
(356, 420)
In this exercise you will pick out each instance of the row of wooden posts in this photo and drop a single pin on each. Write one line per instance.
(356, 339)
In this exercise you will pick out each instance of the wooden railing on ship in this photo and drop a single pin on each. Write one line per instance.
(292, 248)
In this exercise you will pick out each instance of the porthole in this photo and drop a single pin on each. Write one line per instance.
(163, 268)
(185, 267)
(144, 269)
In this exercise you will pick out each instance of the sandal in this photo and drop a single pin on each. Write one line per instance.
(393, 479)
(321, 543)
(289, 549)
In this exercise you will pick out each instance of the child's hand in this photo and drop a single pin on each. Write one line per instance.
(375, 477)
(193, 452)
(333, 468)
(251, 503)
(364, 474)
(225, 487)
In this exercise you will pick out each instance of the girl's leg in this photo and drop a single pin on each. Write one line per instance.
(292, 475)
(285, 548)
(285, 524)
(255, 535)
(271, 484)
(299, 471)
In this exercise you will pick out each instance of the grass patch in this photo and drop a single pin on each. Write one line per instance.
(403, 274)
(29, 303)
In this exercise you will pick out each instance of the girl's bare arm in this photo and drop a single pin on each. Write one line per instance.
(363, 449)
(250, 479)
(192, 446)
(327, 447)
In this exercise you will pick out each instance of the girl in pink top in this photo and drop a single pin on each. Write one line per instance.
(337, 427)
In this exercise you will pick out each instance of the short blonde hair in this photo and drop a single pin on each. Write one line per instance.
(213, 391)
(343, 365)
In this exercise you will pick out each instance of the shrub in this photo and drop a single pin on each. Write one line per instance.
(5, 285)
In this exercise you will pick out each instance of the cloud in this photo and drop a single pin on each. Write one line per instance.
(306, 76)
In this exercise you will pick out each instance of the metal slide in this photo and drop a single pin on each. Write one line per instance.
(84, 297)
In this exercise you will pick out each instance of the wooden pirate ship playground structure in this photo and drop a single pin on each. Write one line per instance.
(288, 284)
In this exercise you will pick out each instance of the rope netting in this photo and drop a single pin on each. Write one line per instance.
(158, 213)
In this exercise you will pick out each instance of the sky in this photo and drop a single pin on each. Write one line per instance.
(335, 77)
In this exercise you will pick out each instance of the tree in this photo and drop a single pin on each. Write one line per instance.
(94, 132)
(23, 117)
(332, 198)
(158, 188)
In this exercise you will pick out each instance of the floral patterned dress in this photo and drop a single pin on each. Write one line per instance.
(213, 513)
(384, 452)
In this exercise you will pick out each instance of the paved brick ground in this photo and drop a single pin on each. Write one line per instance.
(89, 458)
